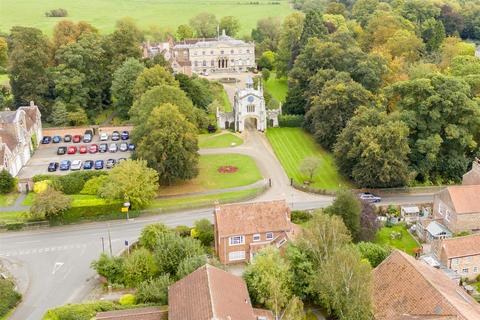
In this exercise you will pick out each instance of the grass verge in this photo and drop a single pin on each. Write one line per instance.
(405, 243)
(277, 87)
(222, 140)
(8, 199)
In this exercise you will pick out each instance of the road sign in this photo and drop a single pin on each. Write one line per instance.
(126, 243)
(124, 209)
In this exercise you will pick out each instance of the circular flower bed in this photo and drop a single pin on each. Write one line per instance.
(227, 169)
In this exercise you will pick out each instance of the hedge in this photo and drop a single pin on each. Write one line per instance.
(98, 212)
(8, 296)
(71, 183)
(86, 311)
(290, 120)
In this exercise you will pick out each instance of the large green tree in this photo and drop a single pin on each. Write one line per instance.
(267, 34)
(7, 182)
(152, 77)
(70, 87)
(289, 43)
(230, 24)
(124, 80)
(125, 42)
(205, 25)
(347, 206)
(168, 142)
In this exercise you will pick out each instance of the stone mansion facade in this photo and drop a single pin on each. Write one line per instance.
(221, 54)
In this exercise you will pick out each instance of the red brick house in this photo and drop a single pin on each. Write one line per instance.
(243, 229)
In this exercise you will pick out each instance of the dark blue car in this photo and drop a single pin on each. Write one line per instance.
(98, 164)
(131, 146)
(125, 135)
(87, 165)
(57, 139)
(65, 165)
(46, 140)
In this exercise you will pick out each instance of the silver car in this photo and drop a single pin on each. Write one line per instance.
(113, 147)
(76, 165)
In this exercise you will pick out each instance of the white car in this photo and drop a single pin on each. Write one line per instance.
(113, 147)
(369, 197)
(103, 136)
(76, 165)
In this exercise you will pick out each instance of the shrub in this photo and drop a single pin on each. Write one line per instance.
(41, 186)
(50, 204)
(56, 13)
(8, 296)
(374, 253)
(106, 211)
(14, 225)
(138, 267)
(111, 268)
(155, 290)
(189, 265)
(183, 231)
(85, 311)
(127, 300)
(150, 235)
(203, 231)
(290, 120)
(299, 217)
(71, 183)
(92, 185)
(7, 182)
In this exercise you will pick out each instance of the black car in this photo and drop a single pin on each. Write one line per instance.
(90, 132)
(115, 136)
(46, 140)
(67, 138)
(131, 147)
(88, 164)
(65, 165)
(103, 147)
(110, 163)
(61, 151)
(98, 164)
(125, 135)
(53, 166)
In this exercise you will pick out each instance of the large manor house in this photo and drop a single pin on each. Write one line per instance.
(214, 55)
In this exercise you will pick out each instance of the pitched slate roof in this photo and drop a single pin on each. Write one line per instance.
(9, 139)
(251, 218)
(209, 293)
(30, 115)
(461, 246)
(7, 116)
(465, 199)
(404, 287)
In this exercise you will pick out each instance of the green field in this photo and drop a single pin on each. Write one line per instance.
(164, 13)
(222, 140)
(210, 179)
(278, 88)
(406, 243)
(292, 145)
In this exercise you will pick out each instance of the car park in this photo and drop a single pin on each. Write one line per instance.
(88, 164)
(125, 135)
(131, 146)
(46, 140)
(369, 197)
(103, 147)
(123, 147)
(72, 150)
(115, 136)
(110, 163)
(103, 136)
(93, 148)
(53, 166)
(77, 138)
(82, 149)
(56, 139)
(113, 147)
(76, 165)
(61, 151)
(65, 165)
(98, 164)
(67, 138)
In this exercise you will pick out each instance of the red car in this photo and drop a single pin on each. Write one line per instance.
(93, 148)
(72, 150)
(77, 138)
(83, 149)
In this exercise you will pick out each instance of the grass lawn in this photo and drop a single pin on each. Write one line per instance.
(8, 199)
(164, 13)
(278, 88)
(197, 201)
(292, 145)
(13, 216)
(406, 243)
(28, 199)
(210, 179)
(222, 140)
(227, 106)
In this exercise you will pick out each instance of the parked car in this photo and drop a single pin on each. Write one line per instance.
(131, 146)
(53, 166)
(61, 151)
(103, 147)
(103, 136)
(369, 197)
(65, 165)
(110, 163)
(88, 164)
(83, 149)
(72, 150)
(67, 138)
(90, 132)
(125, 135)
(57, 139)
(87, 138)
(93, 148)
(123, 146)
(76, 165)
(77, 138)
(121, 160)
(115, 136)
(113, 147)
(98, 164)
(46, 140)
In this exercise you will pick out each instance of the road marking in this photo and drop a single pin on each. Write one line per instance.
(57, 266)
(44, 250)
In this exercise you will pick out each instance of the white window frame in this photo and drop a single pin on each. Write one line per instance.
(465, 270)
(257, 237)
(475, 269)
(447, 215)
(269, 236)
(234, 242)
(236, 255)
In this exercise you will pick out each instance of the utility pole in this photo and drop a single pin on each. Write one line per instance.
(110, 240)
(103, 245)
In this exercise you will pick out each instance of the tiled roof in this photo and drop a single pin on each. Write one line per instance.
(9, 139)
(150, 313)
(7, 116)
(404, 286)
(250, 218)
(465, 199)
(30, 115)
(461, 246)
(209, 293)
